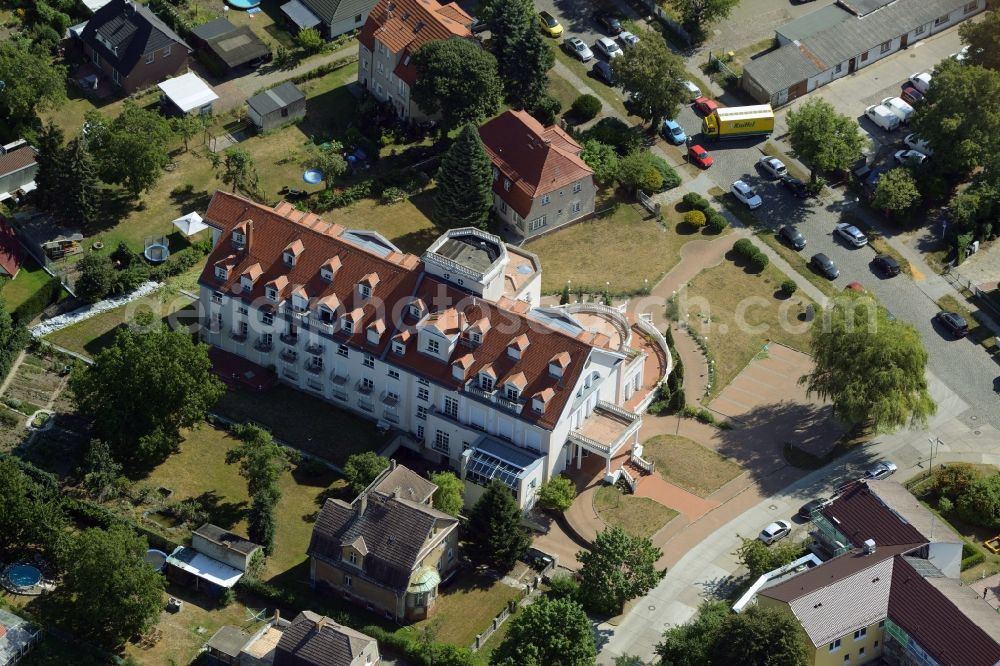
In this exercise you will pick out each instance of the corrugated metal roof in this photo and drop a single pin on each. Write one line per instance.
(859, 514)
(781, 69)
(333, 11)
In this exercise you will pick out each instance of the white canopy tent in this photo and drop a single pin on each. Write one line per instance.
(190, 224)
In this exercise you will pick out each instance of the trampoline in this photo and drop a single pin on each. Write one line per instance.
(244, 4)
(312, 176)
(22, 579)
(157, 250)
(157, 559)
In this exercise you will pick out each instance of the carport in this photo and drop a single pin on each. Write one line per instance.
(188, 94)
(300, 15)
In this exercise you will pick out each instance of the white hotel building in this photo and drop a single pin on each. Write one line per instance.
(450, 349)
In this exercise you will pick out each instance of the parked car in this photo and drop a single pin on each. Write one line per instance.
(777, 530)
(911, 95)
(795, 186)
(961, 55)
(881, 470)
(898, 106)
(627, 39)
(536, 559)
(909, 157)
(608, 47)
(772, 166)
(602, 70)
(692, 89)
(792, 236)
(745, 193)
(806, 510)
(914, 142)
(921, 81)
(882, 117)
(673, 132)
(698, 155)
(609, 22)
(705, 106)
(856, 287)
(886, 265)
(954, 322)
(824, 266)
(575, 47)
(851, 234)
(550, 26)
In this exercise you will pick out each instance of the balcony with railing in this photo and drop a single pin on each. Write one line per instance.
(606, 430)
(494, 397)
(363, 388)
(314, 368)
(603, 319)
(238, 335)
(289, 338)
(263, 344)
(289, 355)
(389, 399)
(315, 348)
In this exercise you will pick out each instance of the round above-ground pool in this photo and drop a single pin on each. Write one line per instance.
(244, 4)
(156, 253)
(156, 559)
(312, 176)
(21, 578)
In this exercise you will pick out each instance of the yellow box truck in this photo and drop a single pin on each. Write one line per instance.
(736, 122)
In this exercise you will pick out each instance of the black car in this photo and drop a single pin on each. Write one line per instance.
(795, 186)
(824, 266)
(888, 266)
(954, 322)
(536, 559)
(609, 22)
(602, 70)
(792, 236)
(806, 511)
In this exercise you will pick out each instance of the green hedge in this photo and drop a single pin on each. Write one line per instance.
(41, 299)
(971, 556)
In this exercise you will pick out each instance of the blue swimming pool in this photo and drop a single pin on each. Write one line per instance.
(23, 575)
(244, 4)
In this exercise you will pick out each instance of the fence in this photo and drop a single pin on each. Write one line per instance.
(668, 22)
(648, 203)
(493, 626)
(983, 299)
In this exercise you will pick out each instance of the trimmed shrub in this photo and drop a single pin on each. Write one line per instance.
(670, 177)
(969, 561)
(759, 261)
(717, 222)
(564, 586)
(695, 218)
(615, 133)
(547, 110)
(693, 200)
(585, 107)
(789, 287)
(704, 205)
(651, 181)
(744, 249)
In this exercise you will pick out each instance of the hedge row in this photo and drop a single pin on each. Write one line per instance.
(41, 299)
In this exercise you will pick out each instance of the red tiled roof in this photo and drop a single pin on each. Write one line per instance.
(860, 515)
(537, 160)
(399, 276)
(406, 25)
(936, 623)
(10, 250)
(17, 159)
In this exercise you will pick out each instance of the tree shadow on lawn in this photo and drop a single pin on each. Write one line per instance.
(223, 514)
(186, 197)
(341, 492)
(328, 114)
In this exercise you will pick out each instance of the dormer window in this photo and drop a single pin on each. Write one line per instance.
(367, 285)
(517, 346)
(398, 348)
(513, 393)
(246, 284)
(272, 294)
(239, 238)
(485, 382)
(417, 309)
(476, 337)
(329, 269)
(289, 258)
(348, 325)
(538, 406)
(506, 184)
(292, 252)
(375, 331)
(366, 291)
(541, 399)
(300, 301)
(558, 364)
(221, 272)
(433, 347)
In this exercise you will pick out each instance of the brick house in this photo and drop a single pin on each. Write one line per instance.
(394, 31)
(386, 551)
(540, 182)
(132, 46)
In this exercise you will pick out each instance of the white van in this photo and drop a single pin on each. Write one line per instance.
(692, 89)
(921, 81)
(882, 117)
(902, 110)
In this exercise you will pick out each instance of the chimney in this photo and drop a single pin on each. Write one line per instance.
(249, 236)
(277, 615)
(392, 464)
(869, 546)
(362, 504)
(321, 622)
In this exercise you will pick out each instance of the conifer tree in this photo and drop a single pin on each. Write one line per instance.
(495, 534)
(465, 182)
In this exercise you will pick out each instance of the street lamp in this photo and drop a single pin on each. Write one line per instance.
(935, 443)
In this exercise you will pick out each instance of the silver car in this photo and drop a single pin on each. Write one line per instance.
(772, 166)
(577, 48)
(777, 530)
(851, 234)
(881, 470)
(608, 47)
(745, 194)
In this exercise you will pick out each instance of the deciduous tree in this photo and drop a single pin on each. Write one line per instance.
(187, 127)
(896, 192)
(558, 492)
(494, 529)
(132, 149)
(363, 468)
(653, 75)
(13, 337)
(690, 644)
(759, 558)
(523, 57)
(100, 470)
(329, 161)
(824, 139)
(759, 636)
(617, 568)
(980, 504)
(602, 158)
(449, 495)
(457, 78)
(261, 462)
(240, 171)
(548, 633)
(144, 388)
(983, 39)
(870, 367)
(107, 593)
(30, 515)
(465, 182)
(96, 277)
(696, 15)
(32, 82)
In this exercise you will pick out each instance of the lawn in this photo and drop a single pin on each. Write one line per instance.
(92, 335)
(407, 223)
(621, 247)
(30, 279)
(638, 516)
(303, 421)
(612, 96)
(738, 312)
(562, 90)
(688, 464)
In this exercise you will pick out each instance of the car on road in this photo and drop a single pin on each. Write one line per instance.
(792, 236)
(886, 265)
(745, 194)
(911, 95)
(698, 155)
(881, 470)
(824, 266)
(578, 49)
(961, 55)
(673, 132)
(536, 559)
(914, 142)
(705, 106)
(609, 22)
(806, 510)
(692, 89)
(795, 186)
(627, 39)
(772, 166)
(550, 26)
(954, 322)
(602, 70)
(921, 81)
(906, 157)
(851, 234)
(777, 530)
(608, 47)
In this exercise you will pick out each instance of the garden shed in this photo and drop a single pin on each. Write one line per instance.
(277, 106)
